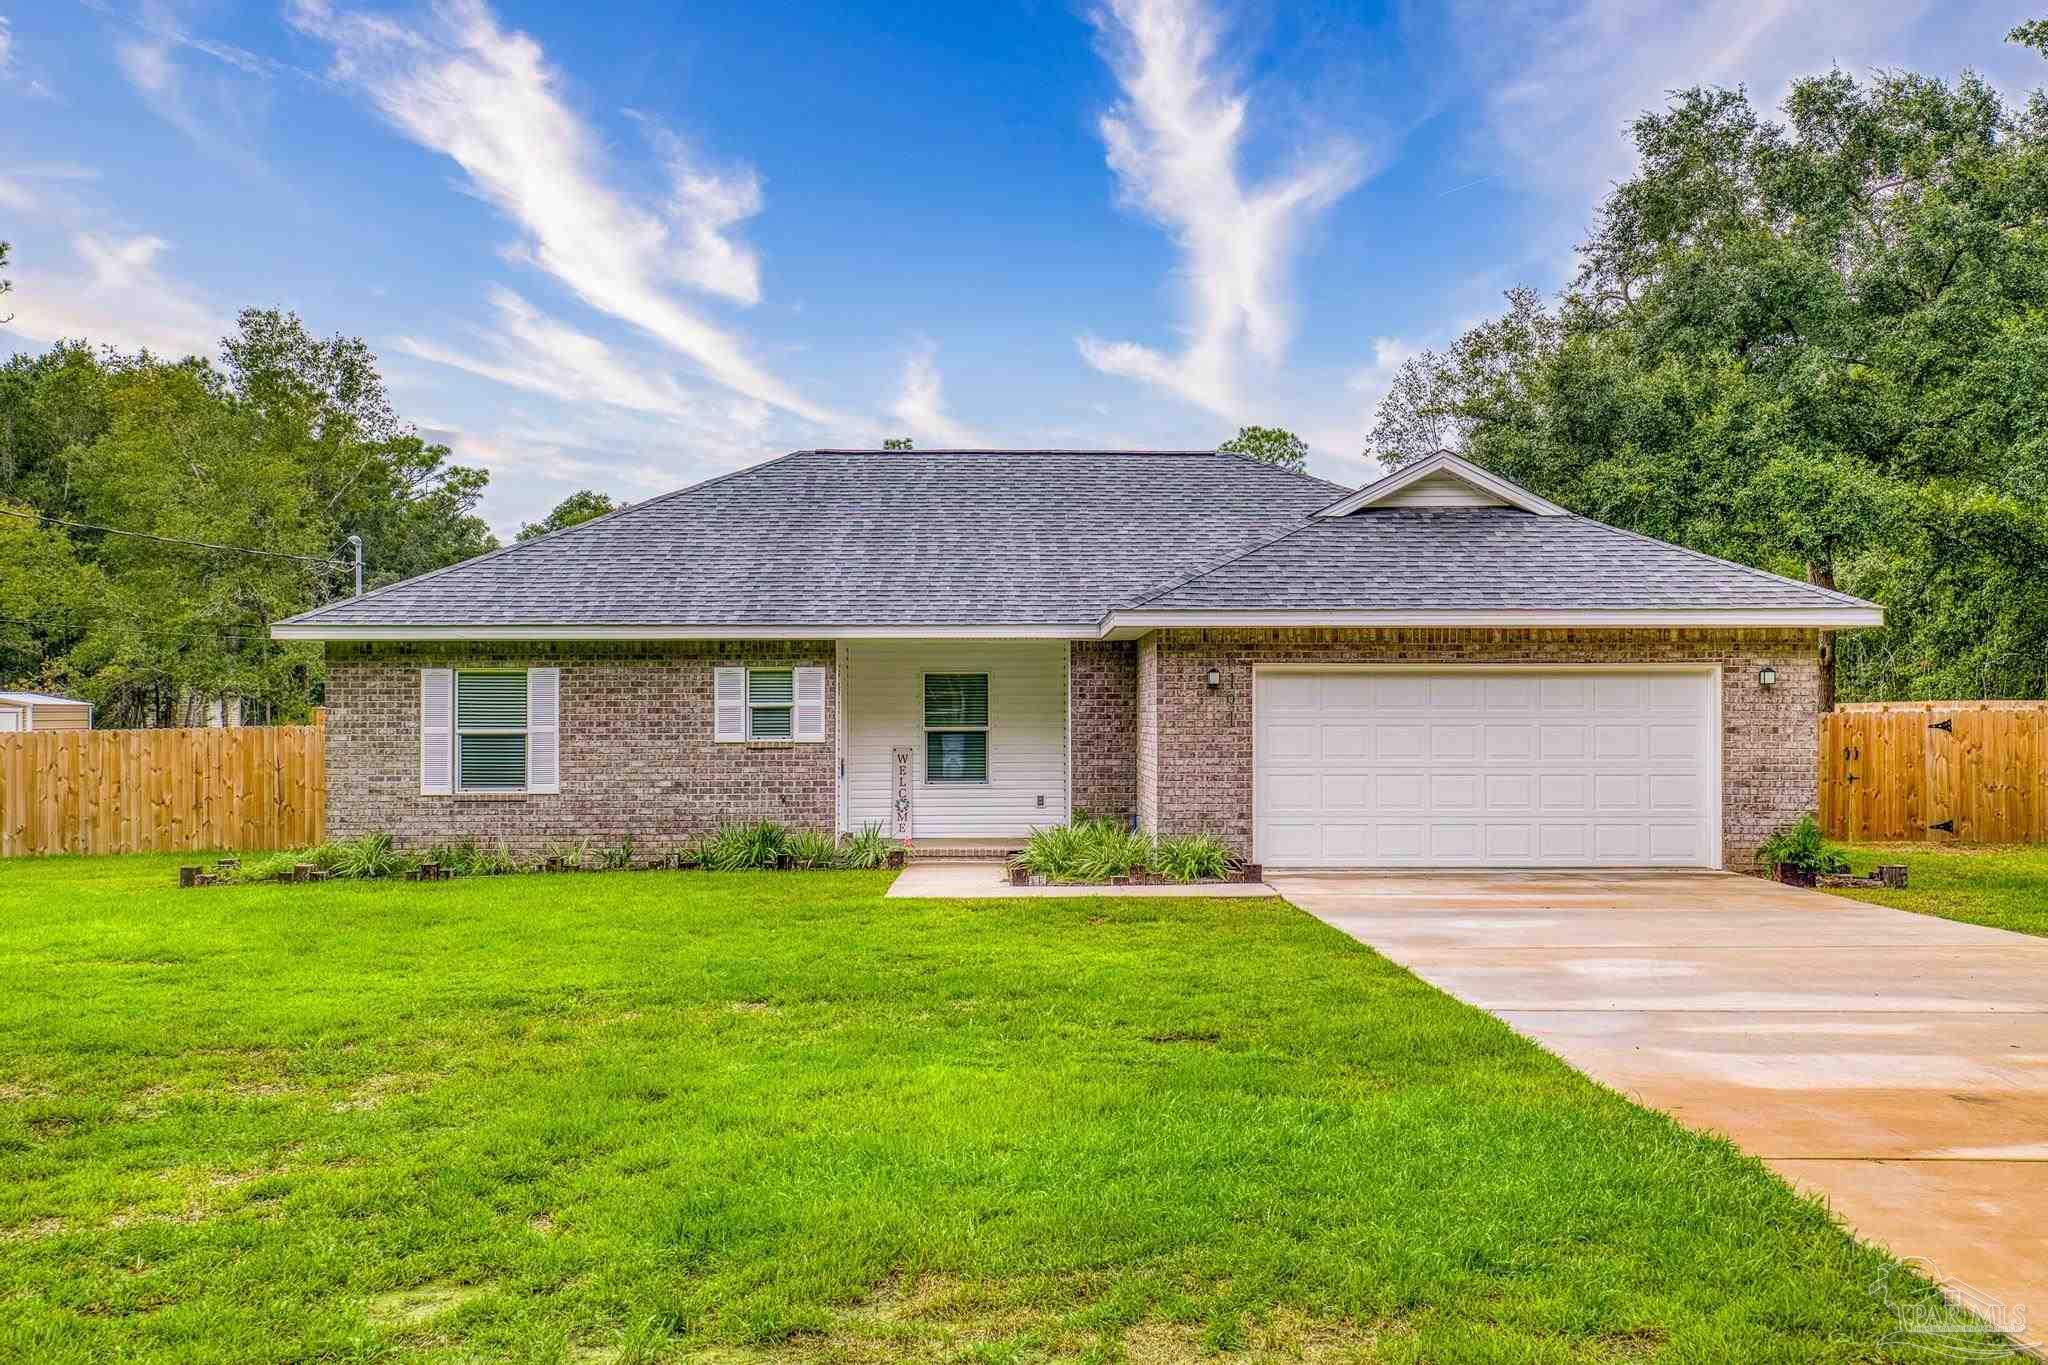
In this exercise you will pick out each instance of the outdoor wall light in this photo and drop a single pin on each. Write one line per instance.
(1767, 675)
(1215, 679)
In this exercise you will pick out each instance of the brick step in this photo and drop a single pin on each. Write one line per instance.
(960, 853)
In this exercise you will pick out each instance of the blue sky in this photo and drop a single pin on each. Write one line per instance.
(634, 245)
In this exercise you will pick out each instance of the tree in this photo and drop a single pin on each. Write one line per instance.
(1816, 345)
(578, 507)
(1269, 445)
(285, 448)
(5, 284)
(896, 443)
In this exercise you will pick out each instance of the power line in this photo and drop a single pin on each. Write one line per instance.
(173, 540)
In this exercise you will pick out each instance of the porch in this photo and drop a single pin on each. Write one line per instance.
(960, 747)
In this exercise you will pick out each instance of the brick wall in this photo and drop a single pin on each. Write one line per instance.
(1103, 696)
(636, 748)
(1195, 746)
(1148, 734)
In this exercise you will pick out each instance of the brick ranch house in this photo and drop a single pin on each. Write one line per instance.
(1439, 669)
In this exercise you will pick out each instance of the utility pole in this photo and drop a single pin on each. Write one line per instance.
(355, 543)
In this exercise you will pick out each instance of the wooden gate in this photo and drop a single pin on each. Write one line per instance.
(1947, 772)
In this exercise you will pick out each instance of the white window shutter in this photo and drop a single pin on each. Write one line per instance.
(437, 731)
(729, 703)
(810, 704)
(543, 729)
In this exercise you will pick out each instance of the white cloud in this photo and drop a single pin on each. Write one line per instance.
(531, 351)
(921, 403)
(12, 73)
(1562, 80)
(1175, 143)
(113, 291)
(459, 84)
(218, 110)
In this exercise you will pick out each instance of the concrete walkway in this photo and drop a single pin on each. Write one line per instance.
(962, 880)
(1893, 1064)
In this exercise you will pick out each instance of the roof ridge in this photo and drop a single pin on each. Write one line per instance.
(518, 545)
(1765, 574)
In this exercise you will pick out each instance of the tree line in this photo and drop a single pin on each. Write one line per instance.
(286, 444)
(1816, 344)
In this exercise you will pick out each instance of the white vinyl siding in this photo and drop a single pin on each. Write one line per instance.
(1440, 490)
(882, 697)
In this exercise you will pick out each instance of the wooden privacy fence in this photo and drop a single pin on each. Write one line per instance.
(1947, 772)
(148, 791)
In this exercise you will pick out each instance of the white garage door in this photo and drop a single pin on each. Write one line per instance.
(1484, 769)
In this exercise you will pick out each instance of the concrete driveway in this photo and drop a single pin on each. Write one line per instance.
(1895, 1065)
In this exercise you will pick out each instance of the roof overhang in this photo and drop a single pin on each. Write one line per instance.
(1443, 462)
(1128, 625)
(311, 630)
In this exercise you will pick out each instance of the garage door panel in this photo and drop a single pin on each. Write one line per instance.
(1510, 845)
(1288, 742)
(1617, 791)
(1341, 741)
(1346, 792)
(1289, 692)
(1486, 769)
(1511, 695)
(1399, 792)
(1628, 843)
(1449, 692)
(1617, 692)
(1393, 743)
(1402, 842)
(1454, 741)
(1454, 792)
(1673, 741)
(1510, 742)
(1289, 793)
(1672, 793)
(1510, 792)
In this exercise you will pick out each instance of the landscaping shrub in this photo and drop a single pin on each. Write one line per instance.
(1102, 850)
(868, 849)
(370, 855)
(1108, 852)
(809, 848)
(1191, 857)
(1802, 848)
(614, 857)
(740, 848)
(573, 855)
(273, 868)
(1053, 853)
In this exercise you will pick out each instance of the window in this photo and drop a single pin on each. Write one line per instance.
(956, 727)
(490, 731)
(771, 702)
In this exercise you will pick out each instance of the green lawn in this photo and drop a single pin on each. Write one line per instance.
(743, 1117)
(2003, 887)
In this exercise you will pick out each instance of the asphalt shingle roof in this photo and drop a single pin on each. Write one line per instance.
(1480, 557)
(940, 538)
